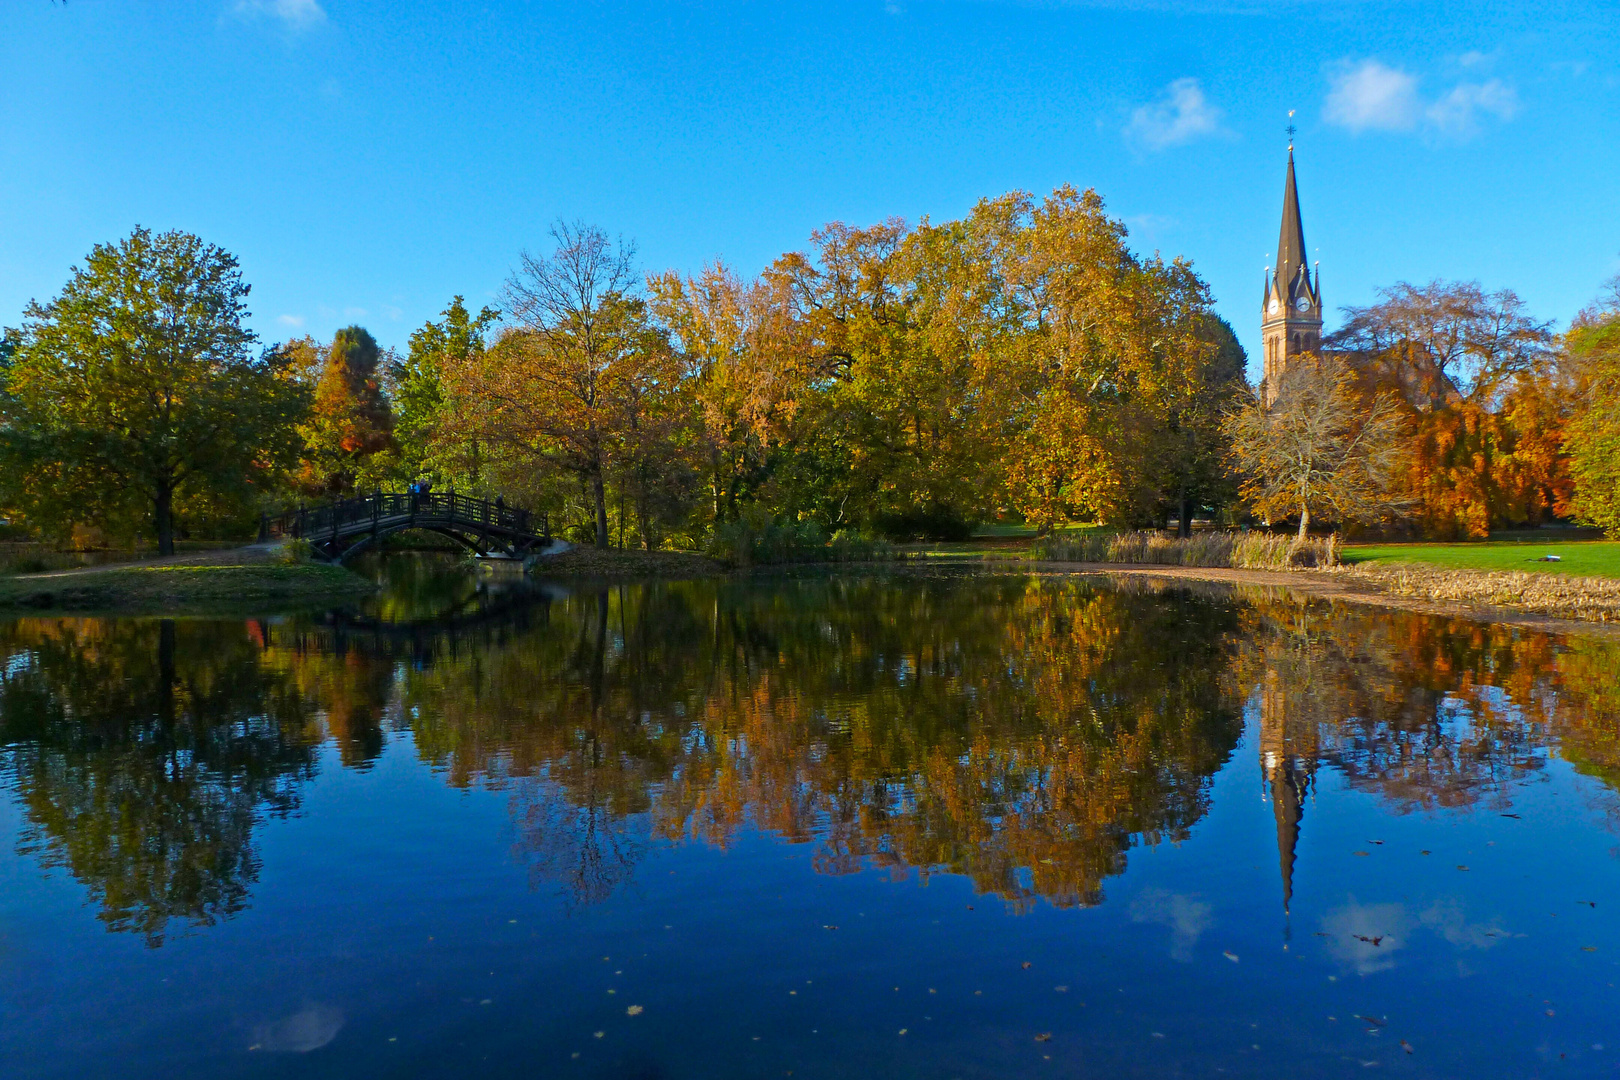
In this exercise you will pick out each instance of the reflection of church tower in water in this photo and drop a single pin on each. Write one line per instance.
(1287, 758)
(1291, 312)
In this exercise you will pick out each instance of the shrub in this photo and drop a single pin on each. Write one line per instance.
(294, 551)
(757, 539)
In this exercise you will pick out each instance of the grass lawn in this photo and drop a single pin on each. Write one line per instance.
(1582, 558)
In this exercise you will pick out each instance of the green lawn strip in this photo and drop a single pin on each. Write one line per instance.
(1581, 558)
(173, 589)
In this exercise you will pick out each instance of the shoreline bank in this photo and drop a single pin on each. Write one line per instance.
(1402, 588)
(247, 580)
(255, 579)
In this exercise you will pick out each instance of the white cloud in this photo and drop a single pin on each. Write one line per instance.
(1186, 917)
(293, 321)
(293, 14)
(1458, 113)
(1181, 115)
(355, 313)
(1372, 97)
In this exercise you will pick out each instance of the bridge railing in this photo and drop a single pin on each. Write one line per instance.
(391, 509)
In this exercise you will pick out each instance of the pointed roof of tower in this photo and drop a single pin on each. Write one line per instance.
(1287, 806)
(1291, 240)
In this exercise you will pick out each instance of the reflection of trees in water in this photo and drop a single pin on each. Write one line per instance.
(142, 754)
(1426, 712)
(1023, 734)
(572, 839)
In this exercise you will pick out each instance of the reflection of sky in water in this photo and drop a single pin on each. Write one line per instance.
(771, 837)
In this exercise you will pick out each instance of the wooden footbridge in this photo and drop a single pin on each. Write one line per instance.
(337, 530)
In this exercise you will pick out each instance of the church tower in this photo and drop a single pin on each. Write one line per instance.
(1291, 316)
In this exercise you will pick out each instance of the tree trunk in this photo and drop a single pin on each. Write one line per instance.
(163, 518)
(1304, 523)
(1184, 523)
(599, 492)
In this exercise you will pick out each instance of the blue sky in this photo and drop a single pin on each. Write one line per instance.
(367, 159)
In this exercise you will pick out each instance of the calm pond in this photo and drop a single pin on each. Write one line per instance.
(834, 826)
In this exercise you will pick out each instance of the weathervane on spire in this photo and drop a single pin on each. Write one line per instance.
(1290, 130)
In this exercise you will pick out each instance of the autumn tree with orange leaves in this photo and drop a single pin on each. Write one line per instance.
(582, 381)
(1483, 401)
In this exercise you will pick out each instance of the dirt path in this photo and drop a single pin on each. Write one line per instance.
(248, 555)
(1331, 586)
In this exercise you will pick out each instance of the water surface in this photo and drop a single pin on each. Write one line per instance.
(830, 827)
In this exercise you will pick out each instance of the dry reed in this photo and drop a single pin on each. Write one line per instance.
(1236, 549)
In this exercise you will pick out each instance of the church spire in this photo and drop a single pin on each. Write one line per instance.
(1291, 238)
(1291, 318)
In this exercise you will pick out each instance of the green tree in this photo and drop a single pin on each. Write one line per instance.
(430, 440)
(137, 383)
(1592, 439)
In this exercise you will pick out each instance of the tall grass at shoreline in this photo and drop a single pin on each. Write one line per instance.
(1235, 549)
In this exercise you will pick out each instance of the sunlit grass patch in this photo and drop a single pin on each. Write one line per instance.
(1580, 558)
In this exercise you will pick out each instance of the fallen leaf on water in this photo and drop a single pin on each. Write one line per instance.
(1588, 903)
(1026, 963)
(1061, 989)
(1230, 956)
(1462, 867)
(828, 926)
(1373, 1020)
(1045, 1036)
(1424, 853)
(1364, 854)
(598, 1034)
(1406, 1046)
(1515, 817)
(634, 1010)
(1588, 948)
(903, 1031)
(1551, 1013)
(1375, 841)
(1373, 941)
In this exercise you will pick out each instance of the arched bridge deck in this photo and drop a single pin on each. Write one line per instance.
(338, 530)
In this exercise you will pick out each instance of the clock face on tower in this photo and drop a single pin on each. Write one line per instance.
(1303, 303)
(1276, 305)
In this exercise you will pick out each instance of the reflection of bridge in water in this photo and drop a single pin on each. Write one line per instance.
(340, 529)
(480, 622)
